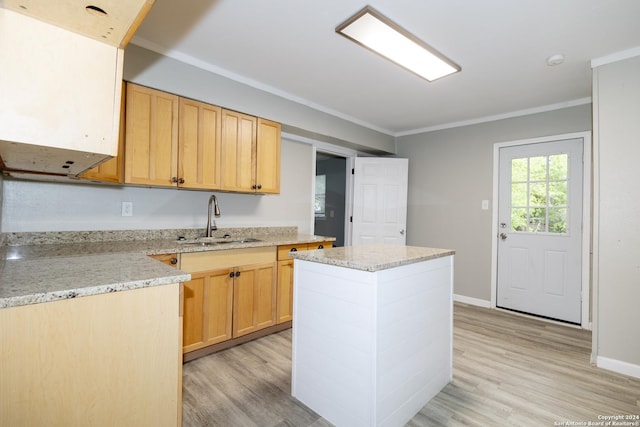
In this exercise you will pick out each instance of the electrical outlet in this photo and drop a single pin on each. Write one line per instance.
(127, 208)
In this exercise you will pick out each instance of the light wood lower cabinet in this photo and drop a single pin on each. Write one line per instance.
(208, 308)
(104, 360)
(284, 304)
(169, 259)
(254, 298)
(284, 308)
(232, 293)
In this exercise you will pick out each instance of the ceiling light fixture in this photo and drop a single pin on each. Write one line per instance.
(378, 33)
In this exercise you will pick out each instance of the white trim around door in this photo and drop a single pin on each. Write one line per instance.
(586, 216)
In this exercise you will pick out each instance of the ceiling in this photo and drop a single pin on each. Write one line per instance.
(290, 48)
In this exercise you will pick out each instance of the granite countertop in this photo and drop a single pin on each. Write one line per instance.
(49, 266)
(372, 257)
(151, 247)
(32, 281)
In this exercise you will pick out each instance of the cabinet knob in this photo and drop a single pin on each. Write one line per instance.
(259, 186)
(320, 247)
(174, 261)
(237, 274)
(253, 187)
(181, 181)
(174, 179)
(232, 274)
(293, 250)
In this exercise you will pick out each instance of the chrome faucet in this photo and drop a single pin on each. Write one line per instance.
(213, 203)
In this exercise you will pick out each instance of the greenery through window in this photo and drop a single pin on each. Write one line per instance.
(319, 205)
(539, 194)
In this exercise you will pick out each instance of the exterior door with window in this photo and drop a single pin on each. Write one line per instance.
(540, 229)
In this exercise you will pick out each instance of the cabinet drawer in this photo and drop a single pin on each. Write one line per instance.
(320, 245)
(284, 250)
(169, 259)
(213, 260)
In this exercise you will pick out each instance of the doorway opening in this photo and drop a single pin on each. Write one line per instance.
(330, 196)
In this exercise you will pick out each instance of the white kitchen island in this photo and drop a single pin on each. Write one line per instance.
(372, 331)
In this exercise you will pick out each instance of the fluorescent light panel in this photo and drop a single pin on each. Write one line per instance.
(376, 32)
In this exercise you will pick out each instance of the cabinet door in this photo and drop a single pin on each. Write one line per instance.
(199, 145)
(265, 285)
(268, 157)
(193, 324)
(284, 306)
(208, 305)
(151, 146)
(238, 148)
(218, 306)
(254, 298)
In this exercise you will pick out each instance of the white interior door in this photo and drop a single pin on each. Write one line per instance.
(379, 213)
(540, 229)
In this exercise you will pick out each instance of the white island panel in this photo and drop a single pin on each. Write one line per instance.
(371, 348)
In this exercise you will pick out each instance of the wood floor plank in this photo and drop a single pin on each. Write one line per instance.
(508, 370)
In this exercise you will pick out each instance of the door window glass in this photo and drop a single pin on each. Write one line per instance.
(539, 194)
(320, 201)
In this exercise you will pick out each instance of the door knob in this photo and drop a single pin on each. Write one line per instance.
(503, 236)
(402, 232)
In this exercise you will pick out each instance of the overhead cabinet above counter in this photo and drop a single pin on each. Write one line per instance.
(177, 142)
(61, 85)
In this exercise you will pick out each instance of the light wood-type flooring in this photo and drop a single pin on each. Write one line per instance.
(507, 370)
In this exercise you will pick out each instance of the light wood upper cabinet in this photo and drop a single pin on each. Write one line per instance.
(60, 97)
(239, 134)
(151, 141)
(178, 142)
(199, 145)
(121, 19)
(268, 157)
(61, 82)
(250, 154)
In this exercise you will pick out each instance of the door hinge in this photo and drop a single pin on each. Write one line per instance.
(350, 219)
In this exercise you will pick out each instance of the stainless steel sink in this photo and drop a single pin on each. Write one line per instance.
(247, 240)
(204, 243)
(208, 241)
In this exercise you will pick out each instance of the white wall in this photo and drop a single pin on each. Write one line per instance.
(617, 258)
(450, 173)
(37, 206)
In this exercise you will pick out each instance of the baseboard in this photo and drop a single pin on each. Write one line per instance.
(472, 301)
(187, 357)
(618, 366)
